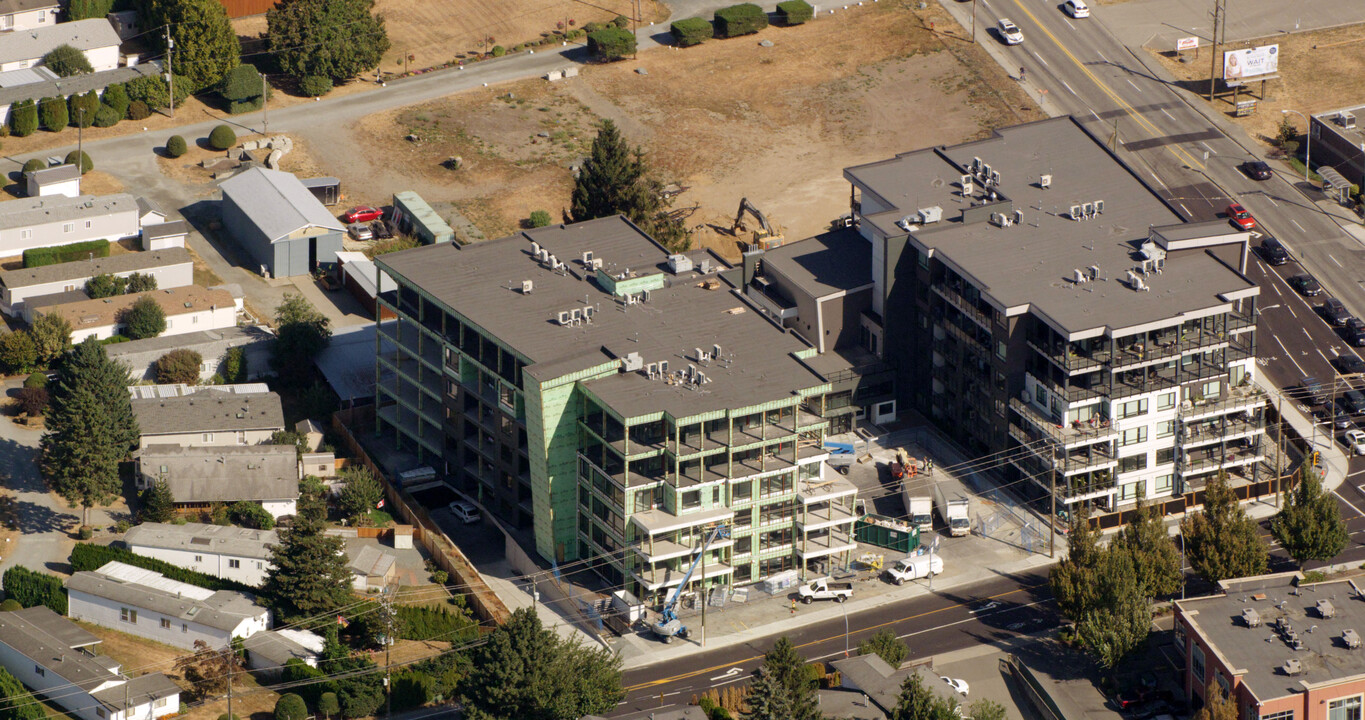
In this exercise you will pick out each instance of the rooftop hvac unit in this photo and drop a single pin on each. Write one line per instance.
(1018, 217)
(564, 317)
(1094, 272)
(663, 367)
(1348, 120)
(588, 312)
(976, 164)
(576, 314)
(995, 178)
(968, 188)
(1088, 209)
(998, 219)
(587, 258)
(644, 295)
(543, 255)
(907, 223)
(966, 182)
(679, 263)
(1078, 277)
(554, 261)
(526, 287)
(930, 214)
(1045, 181)
(652, 370)
(1099, 206)
(535, 248)
(597, 263)
(715, 350)
(1075, 212)
(704, 266)
(632, 362)
(985, 173)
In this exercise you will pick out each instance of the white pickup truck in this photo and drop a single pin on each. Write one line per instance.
(825, 589)
(914, 568)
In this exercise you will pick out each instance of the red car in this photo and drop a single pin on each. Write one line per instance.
(1240, 217)
(364, 213)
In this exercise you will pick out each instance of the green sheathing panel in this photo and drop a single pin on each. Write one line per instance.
(629, 286)
(553, 408)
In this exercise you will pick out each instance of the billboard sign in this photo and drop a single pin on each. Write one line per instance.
(1251, 62)
(1189, 43)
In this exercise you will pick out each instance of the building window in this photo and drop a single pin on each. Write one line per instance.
(40, 671)
(260, 565)
(68, 227)
(1133, 462)
(1197, 664)
(691, 499)
(1000, 349)
(1222, 683)
(1128, 491)
(165, 623)
(1165, 455)
(184, 628)
(88, 224)
(1281, 715)
(1040, 395)
(744, 545)
(235, 564)
(161, 702)
(1163, 483)
(25, 234)
(1134, 436)
(199, 558)
(128, 615)
(99, 712)
(1165, 429)
(208, 437)
(1344, 709)
(1165, 401)
(1132, 408)
(1212, 388)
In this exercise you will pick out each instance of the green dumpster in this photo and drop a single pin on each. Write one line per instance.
(886, 532)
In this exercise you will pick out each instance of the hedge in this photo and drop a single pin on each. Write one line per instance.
(38, 257)
(315, 85)
(795, 12)
(31, 589)
(424, 623)
(692, 31)
(742, 19)
(611, 43)
(222, 138)
(87, 556)
(176, 146)
(52, 113)
(23, 118)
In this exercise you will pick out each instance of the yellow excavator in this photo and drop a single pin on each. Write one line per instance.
(766, 237)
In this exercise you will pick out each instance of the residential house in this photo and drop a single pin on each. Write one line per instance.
(279, 222)
(267, 652)
(212, 346)
(201, 476)
(149, 605)
(55, 180)
(224, 551)
(55, 220)
(172, 268)
(188, 309)
(39, 82)
(55, 657)
(1275, 647)
(28, 14)
(96, 38)
(206, 415)
(371, 567)
(871, 677)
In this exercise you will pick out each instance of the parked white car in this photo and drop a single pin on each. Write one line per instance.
(914, 568)
(1009, 32)
(1076, 8)
(958, 685)
(465, 512)
(1355, 440)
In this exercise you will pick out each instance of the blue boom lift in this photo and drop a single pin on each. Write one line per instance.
(669, 625)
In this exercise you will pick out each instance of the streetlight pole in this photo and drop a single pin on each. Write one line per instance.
(1307, 142)
(845, 606)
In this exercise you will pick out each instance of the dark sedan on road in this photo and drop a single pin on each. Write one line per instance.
(1273, 251)
(1334, 312)
(1348, 364)
(1305, 284)
(1257, 170)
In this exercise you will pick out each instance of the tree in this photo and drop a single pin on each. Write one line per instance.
(81, 160)
(301, 333)
(17, 352)
(144, 319)
(116, 97)
(178, 366)
(290, 707)
(788, 667)
(1217, 707)
(768, 698)
(985, 709)
(206, 47)
(176, 146)
(66, 61)
(887, 646)
(251, 515)
(106, 116)
(208, 670)
(1155, 558)
(33, 400)
(23, 118)
(1120, 618)
(614, 180)
(34, 165)
(222, 137)
(361, 494)
(52, 112)
(308, 576)
(338, 39)
(328, 705)
(105, 285)
(234, 365)
(244, 89)
(315, 85)
(918, 702)
(526, 671)
(51, 336)
(611, 43)
(90, 426)
(158, 504)
(1071, 579)
(16, 702)
(82, 107)
(1309, 526)
(1221, 542)
(539, 218)
(141, 282)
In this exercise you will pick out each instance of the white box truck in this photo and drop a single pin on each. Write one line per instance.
(919, 507)
(954, 507)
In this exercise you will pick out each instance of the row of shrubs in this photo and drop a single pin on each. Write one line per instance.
(38, 257)
(30, 589)
(133, 100)
(736, 20)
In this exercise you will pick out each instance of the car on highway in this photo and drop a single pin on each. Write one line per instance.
(1338, 417)
(1355, 441)
(360, 231)
(1240, 217)
(1353, 401)
(1312, 391)
(363, 213)
(1273, 252)
(1257, 170)
(1305, 285)
(1076, 8)
(1354, 336)
(1334, 312)
(1009, 32)
(1348, 364)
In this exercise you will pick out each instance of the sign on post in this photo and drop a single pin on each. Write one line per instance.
(1251, 62)
(1187, 43)
(1245, 108)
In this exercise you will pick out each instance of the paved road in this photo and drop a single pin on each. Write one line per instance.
(931, 625)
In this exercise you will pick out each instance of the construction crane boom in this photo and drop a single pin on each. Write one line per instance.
(669, 625)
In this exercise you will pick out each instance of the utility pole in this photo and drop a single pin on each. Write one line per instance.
(1051, 518)
(973, 21)
(80, 140)
(386, 600)
(1219, 16)
(170, 73)
(265, 106)
(703, 593)
(1279, 459)
(229, 711)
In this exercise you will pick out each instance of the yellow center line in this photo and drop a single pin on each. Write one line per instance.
(694, 673)
(1178, 152)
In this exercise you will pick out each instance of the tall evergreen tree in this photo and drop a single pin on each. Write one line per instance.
(301, 333)
(206, 46)
(918, 702)
(1221, 542)
(1120, 618)
(158, 504)
(1153, 553)
(1072, 579)
(615, 180)
(1309, 526)
(308, 575)
(768, 698)
(788, 667)
(90, 428)
(527, 672)
(338, 39)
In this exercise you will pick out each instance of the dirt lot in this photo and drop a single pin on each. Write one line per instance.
(1318, 71)
(726, 119)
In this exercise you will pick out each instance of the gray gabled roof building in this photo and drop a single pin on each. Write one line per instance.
(208, 411)
(84, 35)
(279, 221)
(200, 475)
(137, 587)
(201, 537)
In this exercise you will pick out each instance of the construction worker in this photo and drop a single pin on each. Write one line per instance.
(1022, 72)
(793, 605)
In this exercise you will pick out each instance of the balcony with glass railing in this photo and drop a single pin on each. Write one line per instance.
(1244, 398)
(1079, 432)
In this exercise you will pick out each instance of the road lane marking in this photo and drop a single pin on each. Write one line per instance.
(1097, 117)
(1187, 210)
(1097, 52)
(1338, 262)
(1073, 27)
(1068, 87)
(1040, 59)
(1297, 225)
(1272, 201)
(1288, 356)
(728, 674)
(1207, 147)
(1348, 502)
(1135, 87)
(1163, 112)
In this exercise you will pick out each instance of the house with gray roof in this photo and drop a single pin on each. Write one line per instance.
(147, 604)
(96, 38)
(224, 551)
(171, 268)
(201, 476)
(38, 82)
(881, 684)
(212, 416)
(371, 567)
(54, 657)
(25, 14)
(59, 220)
(212, 346)
(62, 179)
(279, 222)
(267, 652)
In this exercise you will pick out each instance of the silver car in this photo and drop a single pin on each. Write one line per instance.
(1009, 32)
(361, 231)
